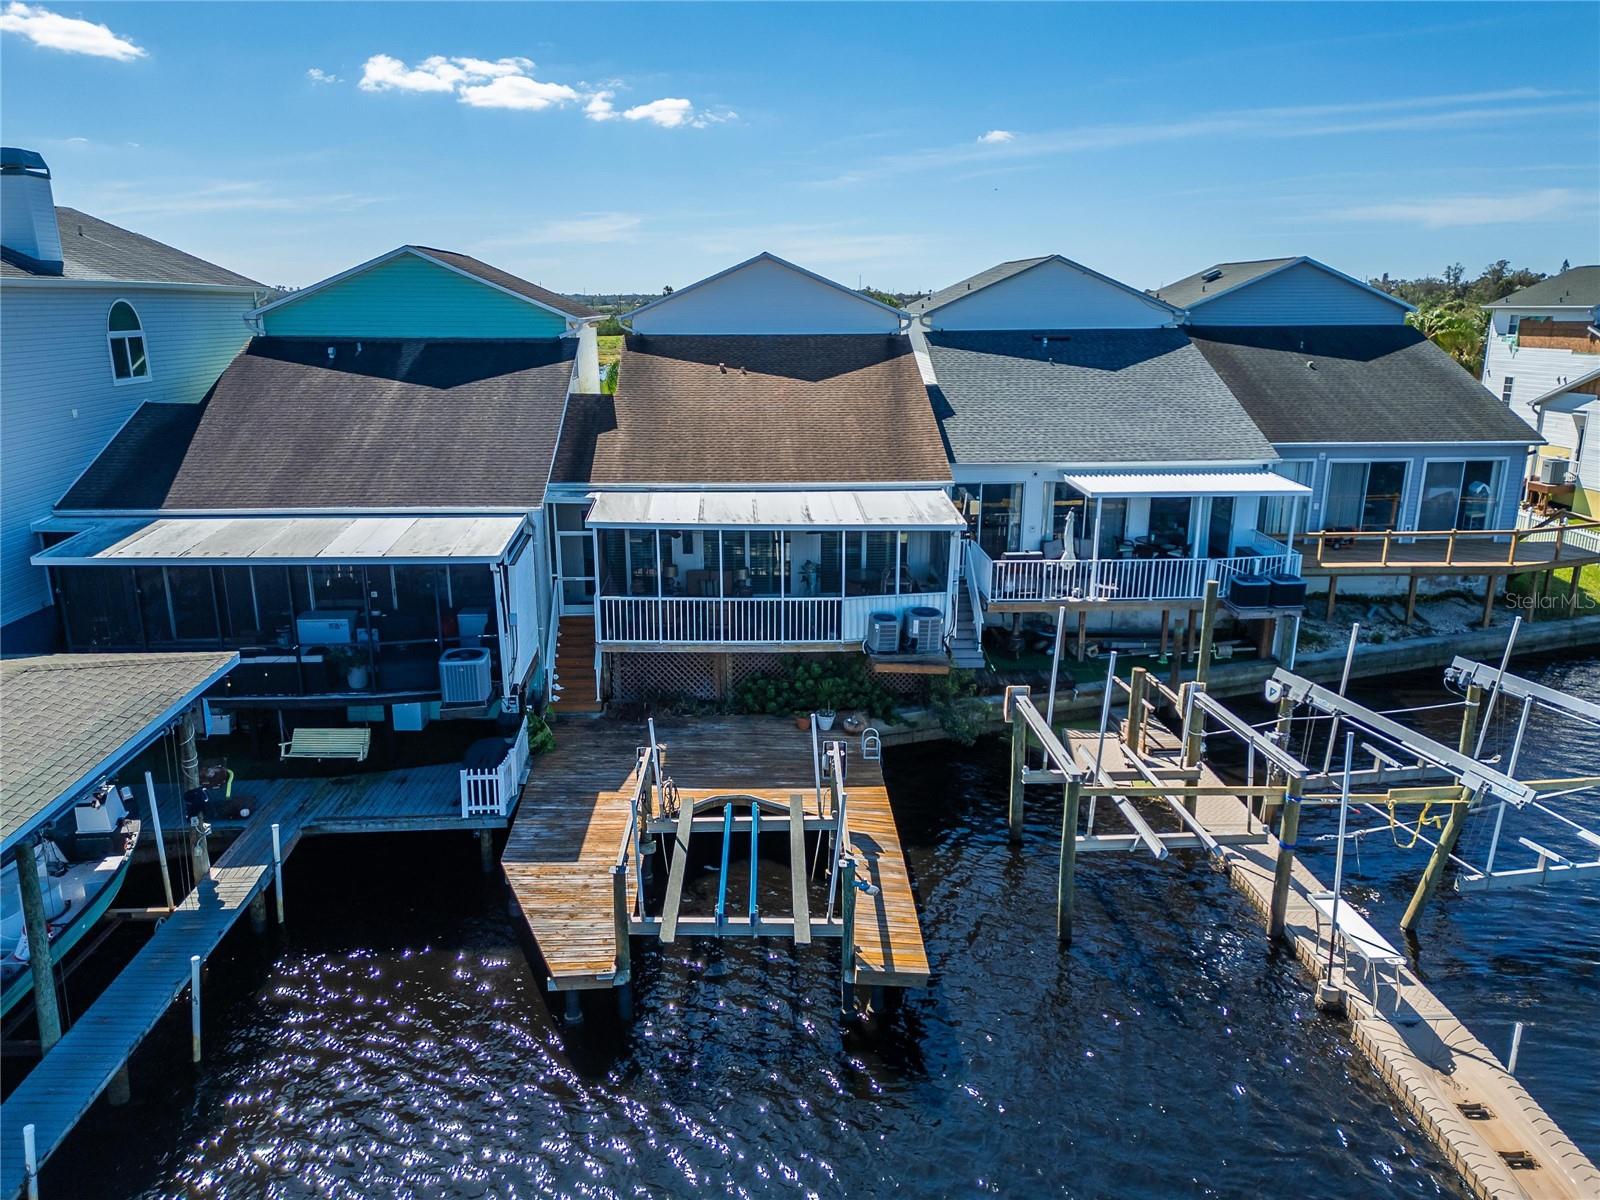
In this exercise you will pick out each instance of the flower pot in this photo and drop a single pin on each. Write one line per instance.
(358, 679)
(825, 721)
(802, 723)
(854, 723)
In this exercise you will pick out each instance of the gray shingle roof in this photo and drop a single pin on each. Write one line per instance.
(974, 282)
(92, 249)
(757, 409)
(1094, 395)
(62, 716)
(1355, 383)
(1578, 286)
(381, 424)
(512, 283)
(1184, 292)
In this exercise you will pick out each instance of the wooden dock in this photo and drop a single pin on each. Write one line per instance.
(66, 1082)
(1491, 1129)
(574, 816)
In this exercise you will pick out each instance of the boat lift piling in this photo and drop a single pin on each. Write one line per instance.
(161, 841)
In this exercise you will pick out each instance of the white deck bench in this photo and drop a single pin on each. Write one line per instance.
(327, 743)
(1359, 938)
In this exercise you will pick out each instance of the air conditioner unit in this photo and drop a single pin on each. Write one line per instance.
(925, 629)
(1554, 470)
(883, 633)
(465, 676)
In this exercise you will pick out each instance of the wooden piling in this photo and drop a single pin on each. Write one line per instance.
(1575, 593)
(486, 850)
(1166, 630)
(1083, 634)
(1283, 867)
(1488, 601)
(40, 952)
(1068, 861)
(1411, 599)
(619, 918)
(258, 914)
(1434, 871)
(1333, 596)
(120, 1090)
(1138, 681)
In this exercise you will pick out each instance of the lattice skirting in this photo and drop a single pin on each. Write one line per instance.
(643, 677)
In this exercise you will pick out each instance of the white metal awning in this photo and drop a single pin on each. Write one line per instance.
(922, 509)
(1188, 483)
(285, 541)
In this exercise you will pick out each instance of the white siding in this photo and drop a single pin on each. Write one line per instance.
(1298, 295)
(1052, 295)
(62, 407)
(766, 297)
(1534, 371)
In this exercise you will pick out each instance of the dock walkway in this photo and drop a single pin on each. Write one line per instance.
(1432, 1061)
(65, 1083)
(573, 816)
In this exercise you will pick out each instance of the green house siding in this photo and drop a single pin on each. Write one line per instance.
(410, 297)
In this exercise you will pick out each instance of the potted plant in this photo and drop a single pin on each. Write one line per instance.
(350, 665)
(802, 722)
(825, 719)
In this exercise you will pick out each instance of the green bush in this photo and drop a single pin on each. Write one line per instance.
(540, 739)
(814, 684)
(952, 699)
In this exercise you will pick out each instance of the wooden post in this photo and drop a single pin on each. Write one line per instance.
(1333, 594)
(1269, 809)
(486, 850)
(1208, 621)
(1288, 833)
(1511, 555)
(1083, 634)
(619, 920)
(1019, 758)
(1192, 634)
(1450, 550)
(1576, 592)
(40, 952)
(1434, 871)
(847, 914)
(258, 914)
(1388, 539)
(1411, 599)
(120, 1090)
(1068, 861)
(1488, 601)
(1137, 682)
(1166, 629)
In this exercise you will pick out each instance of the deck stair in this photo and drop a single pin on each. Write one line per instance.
(574, 668)
(966, 651)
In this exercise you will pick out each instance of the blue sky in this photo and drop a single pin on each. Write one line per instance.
(623, 147)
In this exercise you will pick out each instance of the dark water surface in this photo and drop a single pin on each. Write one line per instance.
(396, 1043)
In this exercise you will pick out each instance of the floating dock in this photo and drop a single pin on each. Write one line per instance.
(65, 1083)
(573, 857)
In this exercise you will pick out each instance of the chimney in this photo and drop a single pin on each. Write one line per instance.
(28, 229)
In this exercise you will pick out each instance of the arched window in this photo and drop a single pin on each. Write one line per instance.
(129, 363)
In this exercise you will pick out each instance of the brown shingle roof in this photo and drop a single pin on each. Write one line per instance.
(512, 283)
(835, 408)
(63, 715)
(401, 424)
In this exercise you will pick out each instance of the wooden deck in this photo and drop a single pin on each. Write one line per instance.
(1436, 1066)
(573, 816)
(1410, 553)
(68, 1080)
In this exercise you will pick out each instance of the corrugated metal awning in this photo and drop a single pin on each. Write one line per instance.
(1187, 483)
(921, 509)
(285, 541)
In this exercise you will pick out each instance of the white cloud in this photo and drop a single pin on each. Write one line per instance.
(669, 112)
(1453, 212)
(383, 73)
(584, 229)
(45, 28)
(498, 68)
(318, 75)
(517, 91)
(225, 196)
(600, 108)
(995, 136)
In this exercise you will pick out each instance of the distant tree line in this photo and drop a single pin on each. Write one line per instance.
(1450, 309)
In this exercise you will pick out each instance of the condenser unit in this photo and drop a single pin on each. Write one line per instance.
(883, 633)
(465, 676)
(925, 629)
(1554, 470)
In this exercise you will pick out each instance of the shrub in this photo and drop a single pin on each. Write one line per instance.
(813, 684)
(952, 699)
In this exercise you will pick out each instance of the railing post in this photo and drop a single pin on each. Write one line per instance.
(1511, 557)
(30, 1161)
(1283, 869)
(1388, 540)
(1136, 702)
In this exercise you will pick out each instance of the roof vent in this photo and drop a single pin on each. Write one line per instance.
(1212, 275)
(331, 353)
(723, 367)
(28, 211)
(1311, 366)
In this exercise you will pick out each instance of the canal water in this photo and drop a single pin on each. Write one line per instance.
(396, 1043)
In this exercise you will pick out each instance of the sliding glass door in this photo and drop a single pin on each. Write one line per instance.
(1364, 495)
(994, 515)
(1458, 495)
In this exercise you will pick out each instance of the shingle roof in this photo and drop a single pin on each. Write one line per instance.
(62, 716)
(834, 408)
(381, 424)
(92, 249)
(1355, 383)
(1094, 395)
(973, 283)
(512, 283)
(1184, 292)
(1579, 286)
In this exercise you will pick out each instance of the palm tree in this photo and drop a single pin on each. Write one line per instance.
(1456, 327)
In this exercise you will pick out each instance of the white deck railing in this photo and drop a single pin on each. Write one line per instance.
(1034, 579)
(492, 791)
(748, 621)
